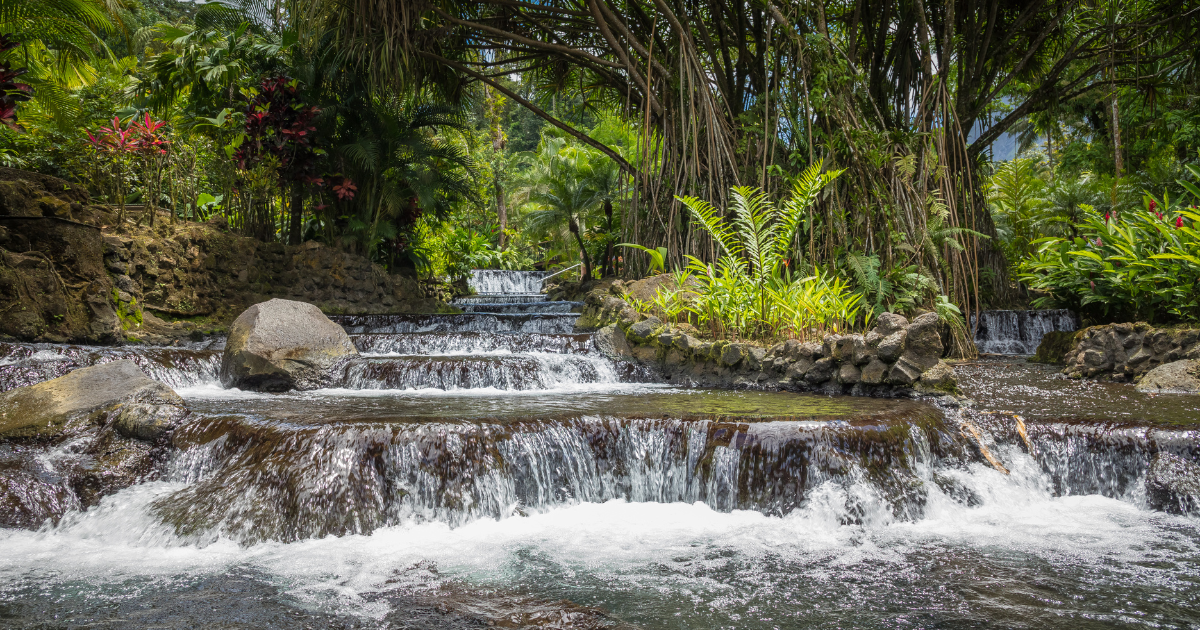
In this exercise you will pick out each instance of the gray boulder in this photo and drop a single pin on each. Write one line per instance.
(939, 379)
(1173, 484)
(612, 343)
(890, 347)
(143, 407)
(889, 324)
(642, 331)
(1178, 377)
(875, 372)
(279, 345)
(923, 343)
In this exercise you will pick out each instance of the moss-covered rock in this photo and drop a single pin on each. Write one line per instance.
(1054, 347)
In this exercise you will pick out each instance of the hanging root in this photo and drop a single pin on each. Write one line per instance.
(1021, 432)
(969, 430)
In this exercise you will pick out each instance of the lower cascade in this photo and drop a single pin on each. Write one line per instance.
(495, 465)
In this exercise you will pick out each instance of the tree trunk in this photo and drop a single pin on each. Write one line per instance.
(297, 215)
(1116, 135)
(501, 211)
(586, 272)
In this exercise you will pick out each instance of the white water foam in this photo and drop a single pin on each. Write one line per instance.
(675, 550)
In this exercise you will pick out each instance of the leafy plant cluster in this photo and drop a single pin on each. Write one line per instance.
(1141, 264)
(751, 291)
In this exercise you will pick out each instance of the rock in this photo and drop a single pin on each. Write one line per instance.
(733, 353)
(1178, 377)
(889, 323)
(611, 343)
(280, 345)
(891, 346)
(754, 358)
(923, 343)
(1173, 484)
(938, 379)
(643, 330)
(144, 407)
(904, 373)
(796, 370)
(646, 289)
(848, 374)
(847, 348)
(1054, 347)
(821, 371)
(875, 372)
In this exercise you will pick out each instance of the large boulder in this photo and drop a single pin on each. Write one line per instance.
(112, 416)
(279, 345)
(923, 342)
(144, 407)
(1173, 484)
(1178, 377)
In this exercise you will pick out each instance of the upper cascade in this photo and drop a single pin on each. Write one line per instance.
(496, 281)
(1019, 332)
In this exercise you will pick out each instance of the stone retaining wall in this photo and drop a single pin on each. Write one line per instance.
(68, 275)
(1125, 352)
(895, 358)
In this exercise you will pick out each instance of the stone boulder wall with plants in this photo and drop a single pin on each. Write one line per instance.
(53, 285)
(1126, 352)
(67, 274)
(895, 358)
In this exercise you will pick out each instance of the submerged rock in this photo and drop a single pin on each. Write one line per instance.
(144, 407)
(1179, 377)
(1173, 484)
(279, 345)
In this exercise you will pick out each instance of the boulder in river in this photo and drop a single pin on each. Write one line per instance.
(1178, 377)
(279, 345)
(67, 442)
(145, 408)
(1173, 484)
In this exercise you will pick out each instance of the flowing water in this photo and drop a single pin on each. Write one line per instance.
(1019, 332)
(492, 468)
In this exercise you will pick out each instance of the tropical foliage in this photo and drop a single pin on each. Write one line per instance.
(1141, 264)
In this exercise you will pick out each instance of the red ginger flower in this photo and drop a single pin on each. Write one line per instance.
(1153, 205)
(1179, 221)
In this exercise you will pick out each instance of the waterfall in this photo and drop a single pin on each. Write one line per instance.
(494, 281)
(352, 479)
(27, 364)
(1019, 332)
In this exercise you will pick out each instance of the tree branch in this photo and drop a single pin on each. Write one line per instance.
(582, 137)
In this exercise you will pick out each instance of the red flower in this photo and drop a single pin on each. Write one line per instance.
(1179, 221)
(1107, 216)
(1153, 205)
(1159, 215)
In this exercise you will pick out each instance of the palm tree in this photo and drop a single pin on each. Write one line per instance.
(562, 190)
(403, 162)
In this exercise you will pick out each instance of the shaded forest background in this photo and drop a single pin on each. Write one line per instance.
(438, 136)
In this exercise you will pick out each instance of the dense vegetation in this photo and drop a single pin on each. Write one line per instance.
(846, 148)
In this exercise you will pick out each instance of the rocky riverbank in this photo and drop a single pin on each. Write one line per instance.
(70, 273)
(897, 357)
(1127, 352)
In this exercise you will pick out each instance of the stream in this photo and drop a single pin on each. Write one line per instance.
(493, 469)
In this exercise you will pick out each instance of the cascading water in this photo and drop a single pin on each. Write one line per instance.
(483, 467)
(1019, 332)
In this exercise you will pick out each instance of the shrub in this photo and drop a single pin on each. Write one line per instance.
(751, 290)
(1142, 264)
